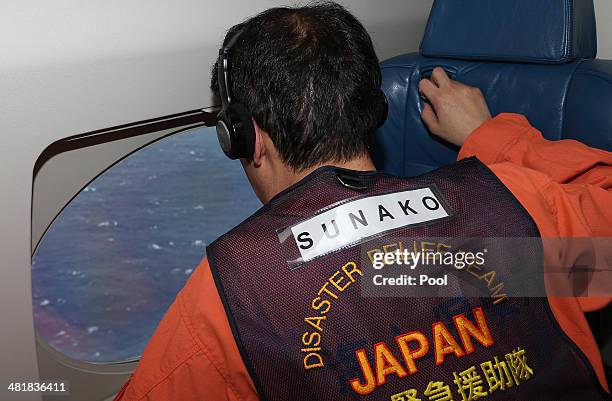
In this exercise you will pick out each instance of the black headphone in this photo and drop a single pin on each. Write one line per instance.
(235, 130)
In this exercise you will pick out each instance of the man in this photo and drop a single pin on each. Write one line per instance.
(275, 312)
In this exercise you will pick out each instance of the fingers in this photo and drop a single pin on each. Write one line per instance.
(440, 77)
(430, 119)
(428, 88)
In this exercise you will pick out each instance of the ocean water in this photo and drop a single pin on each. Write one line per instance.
(113, 261)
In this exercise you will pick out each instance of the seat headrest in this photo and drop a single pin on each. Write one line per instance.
(534, 31)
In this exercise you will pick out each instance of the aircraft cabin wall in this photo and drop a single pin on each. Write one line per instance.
(603, 11)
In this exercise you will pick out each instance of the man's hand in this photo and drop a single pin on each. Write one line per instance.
(453, 109)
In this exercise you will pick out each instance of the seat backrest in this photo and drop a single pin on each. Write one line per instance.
(536, 58)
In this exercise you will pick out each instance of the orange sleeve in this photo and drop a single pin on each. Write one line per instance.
(567, 188)
(192, 354)
(510, 138)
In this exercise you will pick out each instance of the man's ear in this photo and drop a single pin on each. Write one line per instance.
(260, 147)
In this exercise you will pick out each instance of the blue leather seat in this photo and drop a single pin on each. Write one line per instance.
(531, 57)
(534, 57)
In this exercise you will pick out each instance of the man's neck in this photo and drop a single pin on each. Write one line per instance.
(286, 178)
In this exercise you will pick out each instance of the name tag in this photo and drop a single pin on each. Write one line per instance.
(353, 221)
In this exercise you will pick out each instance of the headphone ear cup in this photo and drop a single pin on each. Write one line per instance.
(235, 132)
(244, 132)
(225, 133)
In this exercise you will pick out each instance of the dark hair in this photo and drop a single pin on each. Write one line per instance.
(310, 78)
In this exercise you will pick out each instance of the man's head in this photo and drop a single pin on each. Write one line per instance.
(309, 77)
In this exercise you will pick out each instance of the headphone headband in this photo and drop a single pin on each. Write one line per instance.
(223, 70)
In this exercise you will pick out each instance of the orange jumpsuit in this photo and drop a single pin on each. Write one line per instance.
(564, 185)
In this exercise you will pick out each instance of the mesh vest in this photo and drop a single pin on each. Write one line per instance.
(303, 337)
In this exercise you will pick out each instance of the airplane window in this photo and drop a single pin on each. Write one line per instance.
(114, 259)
